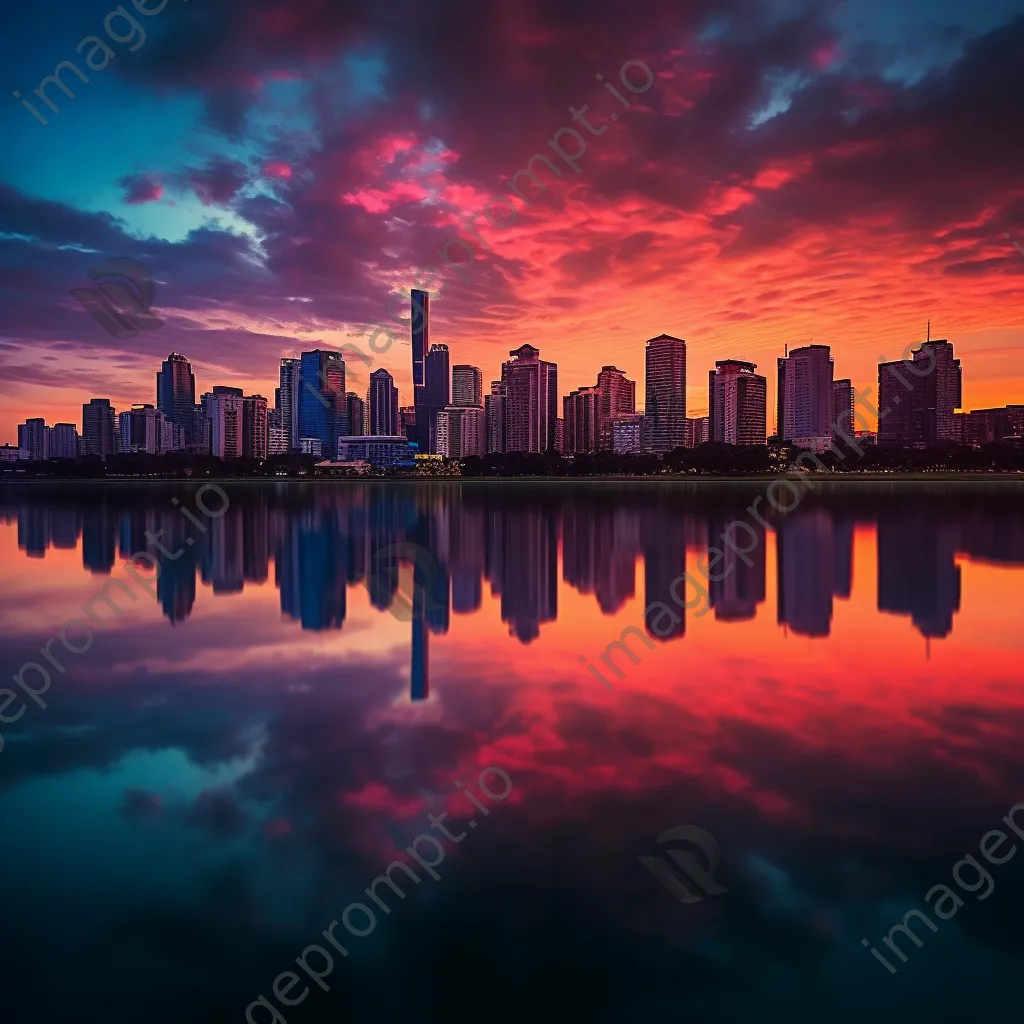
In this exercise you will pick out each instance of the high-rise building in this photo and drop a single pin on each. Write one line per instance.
(277, 441)
(406, 421)
(617, 398)
(224, 408)
(63, 441)
(382, 404)
(98, 433)
(176, 392)
(666, 392)
(917, 401)
(467, 385)
(322, 397)
(805, 397)
(34, 439)
(356, 414)
(438, 394)
(581, 428)
(843, 407)
(288, 399)
(494, 418)
(145, 429)
(419, 326)
(254, 427)
(738, 400)
(531, 401)
(461, 432)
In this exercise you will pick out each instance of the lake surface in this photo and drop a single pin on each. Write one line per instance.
(257, 725)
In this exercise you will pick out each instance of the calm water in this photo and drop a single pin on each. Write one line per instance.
(270, 716)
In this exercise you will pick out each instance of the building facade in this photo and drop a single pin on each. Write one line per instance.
(461, 432)
(494, 418)
(255, 428)
(918, 398)
(322, 397)
(665, 407)
(437, 394)
(805, 414)
(176, 392)
(288, 399)
(467, 386)
(581, 422)
(531, 401)
(382, 404)
(99, 435)
(738, 403)
(64, 441)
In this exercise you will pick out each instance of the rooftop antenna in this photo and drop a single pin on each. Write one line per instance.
(929, 330)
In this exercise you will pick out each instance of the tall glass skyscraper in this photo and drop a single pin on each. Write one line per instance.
(322, 409)
(420, 326)
(438, 394)
(176, 393)
(665, 407)
(288, 400)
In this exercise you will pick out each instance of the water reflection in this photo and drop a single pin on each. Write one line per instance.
(250, 743)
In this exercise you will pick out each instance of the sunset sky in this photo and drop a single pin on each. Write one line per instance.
(830, 172)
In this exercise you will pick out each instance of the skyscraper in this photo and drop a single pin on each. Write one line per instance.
(467, 385)
(254, 427)
(805, 397)
(438, 394)
(382, 404)
(581, 428)
(420, 336)
(98, 434)
(288, 400)
(494, 418)
(225, 410)
(617, 398)
(461, 431)
(34, 438)
(738, 400)
(531, 401)
(917, 402)
(322, 397)
(843, 405)
(176, 393)
(63, 441)
(666, 392)
(356, 414)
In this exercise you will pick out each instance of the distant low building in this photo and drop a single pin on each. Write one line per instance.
(9, 453)
(382, 451)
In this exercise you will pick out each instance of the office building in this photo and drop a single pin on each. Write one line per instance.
(698, 431)
(277, 441)
(288, 399)
(34, 439)
(356, 414)
(437, 394)
(581, 424)
(382, 404)
(322, 397)
(99, 436)
(617, 396)
(145, 429)
(628, 435)
(176, 392)
(531, 401)
(382, 452)
(844, 407)
(419, 326)
(63, 441)
(738, 402)
(254, 427)
(666, 392)
(494, 418)
(461, 432)
(805, 398)
(467, 385)
(918, 399)
(224, 409)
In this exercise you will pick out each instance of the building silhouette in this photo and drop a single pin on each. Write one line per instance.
(99, 434)
(805, 397)
(382, 404)
(666, 392)
(531, 401)
(738, 403)
(176, 394)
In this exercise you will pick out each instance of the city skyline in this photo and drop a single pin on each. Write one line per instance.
(764, 197)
